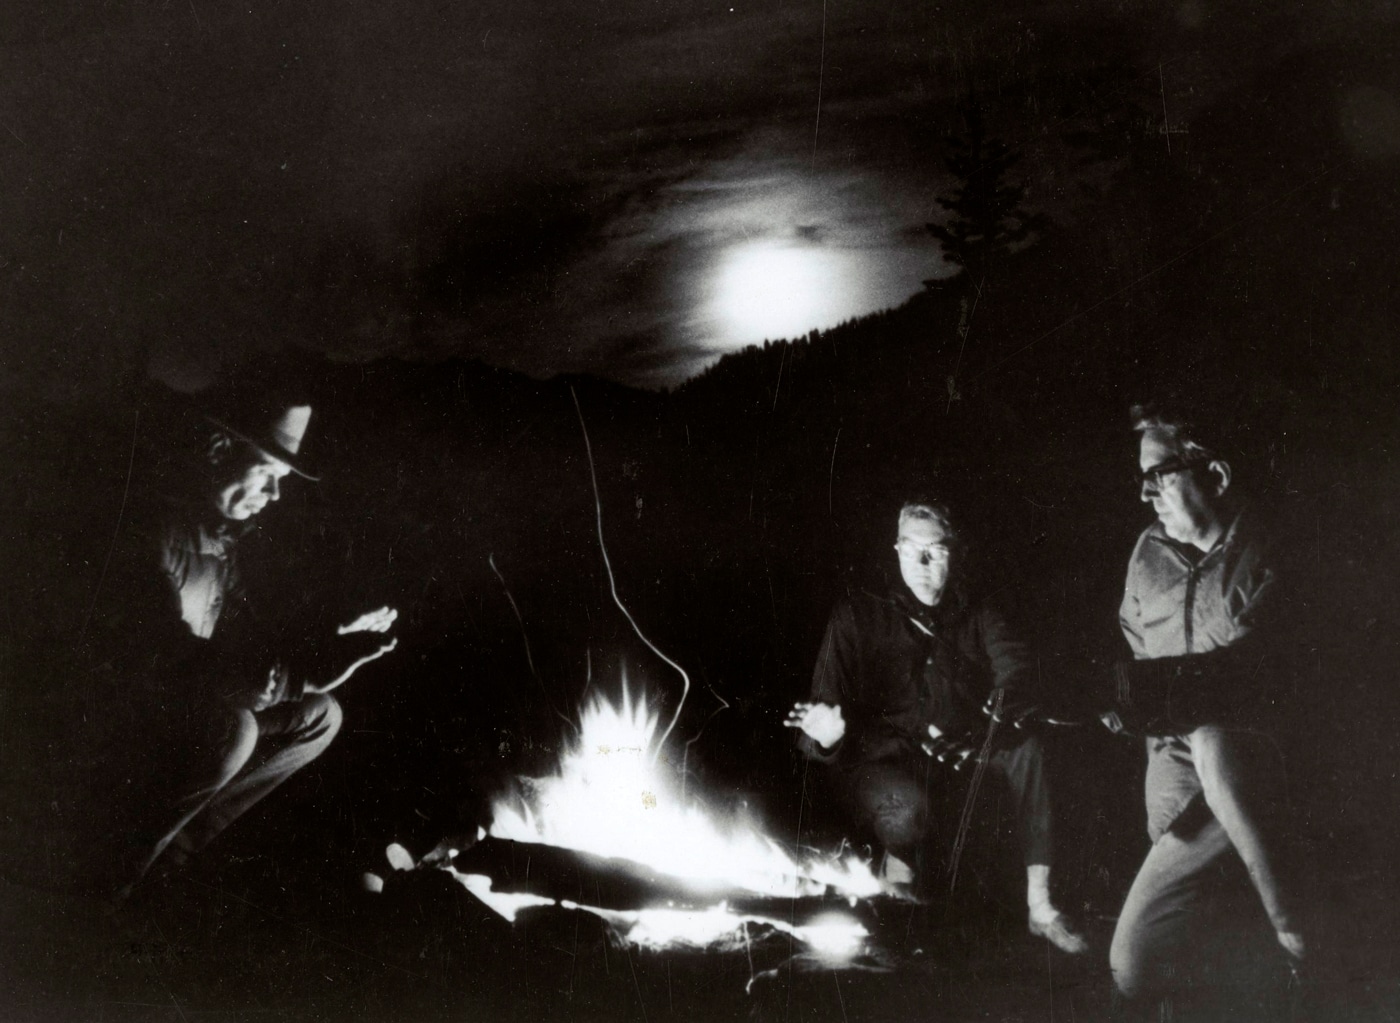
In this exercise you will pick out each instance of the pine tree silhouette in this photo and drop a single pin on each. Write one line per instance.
(988, 219)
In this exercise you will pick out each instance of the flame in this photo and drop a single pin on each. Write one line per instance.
(612, 797)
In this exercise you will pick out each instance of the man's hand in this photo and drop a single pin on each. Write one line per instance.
(450, 847)
(821, 721)
(340, 679)
(949, 749)
(1013, 707)
(371, 621)
(1120, 716)
(1126, 720)
(1022, 710)
(1113, 721)
(277, 678)
(381, 621)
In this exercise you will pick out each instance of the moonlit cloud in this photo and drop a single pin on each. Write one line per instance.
(716, 241)
(549, 188)
(793, 248)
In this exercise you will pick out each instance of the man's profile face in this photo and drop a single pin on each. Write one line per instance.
(251, 483)
(923, 558)
(1187, 502)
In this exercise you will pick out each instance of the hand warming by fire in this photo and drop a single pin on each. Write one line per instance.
(380, 621)
(821, 721)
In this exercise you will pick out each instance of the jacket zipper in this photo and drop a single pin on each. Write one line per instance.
(1191, 578)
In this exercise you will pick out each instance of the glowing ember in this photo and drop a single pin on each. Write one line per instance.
(615, 796)
(833, 935)
(718, 926)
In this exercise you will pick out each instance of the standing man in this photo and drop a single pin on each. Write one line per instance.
(912, 674)
(207, 713)
(1201, 611)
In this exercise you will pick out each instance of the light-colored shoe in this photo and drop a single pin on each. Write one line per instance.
(1060, 933)
(896, 871)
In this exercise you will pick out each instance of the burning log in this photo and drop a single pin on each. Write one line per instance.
(611, 834)
(643, 910)
(611, 884)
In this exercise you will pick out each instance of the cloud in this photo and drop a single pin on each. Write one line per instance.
(549, 187)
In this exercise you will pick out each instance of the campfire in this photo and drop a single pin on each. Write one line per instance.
(711, 878)
(616, 797)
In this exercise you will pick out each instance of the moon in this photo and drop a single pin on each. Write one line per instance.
(770, 290)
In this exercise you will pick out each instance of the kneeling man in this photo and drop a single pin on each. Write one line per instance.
(906, 675)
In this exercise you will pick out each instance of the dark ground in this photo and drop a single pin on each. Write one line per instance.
(261, 936)
(273, 923)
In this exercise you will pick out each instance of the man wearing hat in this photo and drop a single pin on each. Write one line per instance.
(211, 715)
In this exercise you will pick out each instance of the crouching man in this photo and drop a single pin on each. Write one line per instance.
(910, 674)
(205, 710)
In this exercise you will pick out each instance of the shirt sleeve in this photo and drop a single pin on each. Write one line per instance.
(1007, 653)
(237, 661)
(1130, 611)
(1233, 685)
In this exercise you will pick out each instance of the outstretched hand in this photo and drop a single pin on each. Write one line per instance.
(821, 721)
(344, 676)
(381, 620)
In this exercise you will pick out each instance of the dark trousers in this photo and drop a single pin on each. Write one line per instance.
(215, 770)
(891, 799)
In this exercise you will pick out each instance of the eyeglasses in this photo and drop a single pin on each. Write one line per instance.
(1153, 477)
(922, 552)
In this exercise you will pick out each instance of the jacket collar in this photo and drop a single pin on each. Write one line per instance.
(215, 540)
(211, 539)
(926, 617)
(1193, 554)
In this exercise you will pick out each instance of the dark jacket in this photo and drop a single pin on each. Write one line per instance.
(173, 624)
(896, 666)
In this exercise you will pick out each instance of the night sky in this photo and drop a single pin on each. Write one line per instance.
(627, 188)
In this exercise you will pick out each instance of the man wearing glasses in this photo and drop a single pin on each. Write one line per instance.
(1200, 612)
(922, 673)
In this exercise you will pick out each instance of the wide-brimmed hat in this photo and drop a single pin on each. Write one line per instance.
(274, 428)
